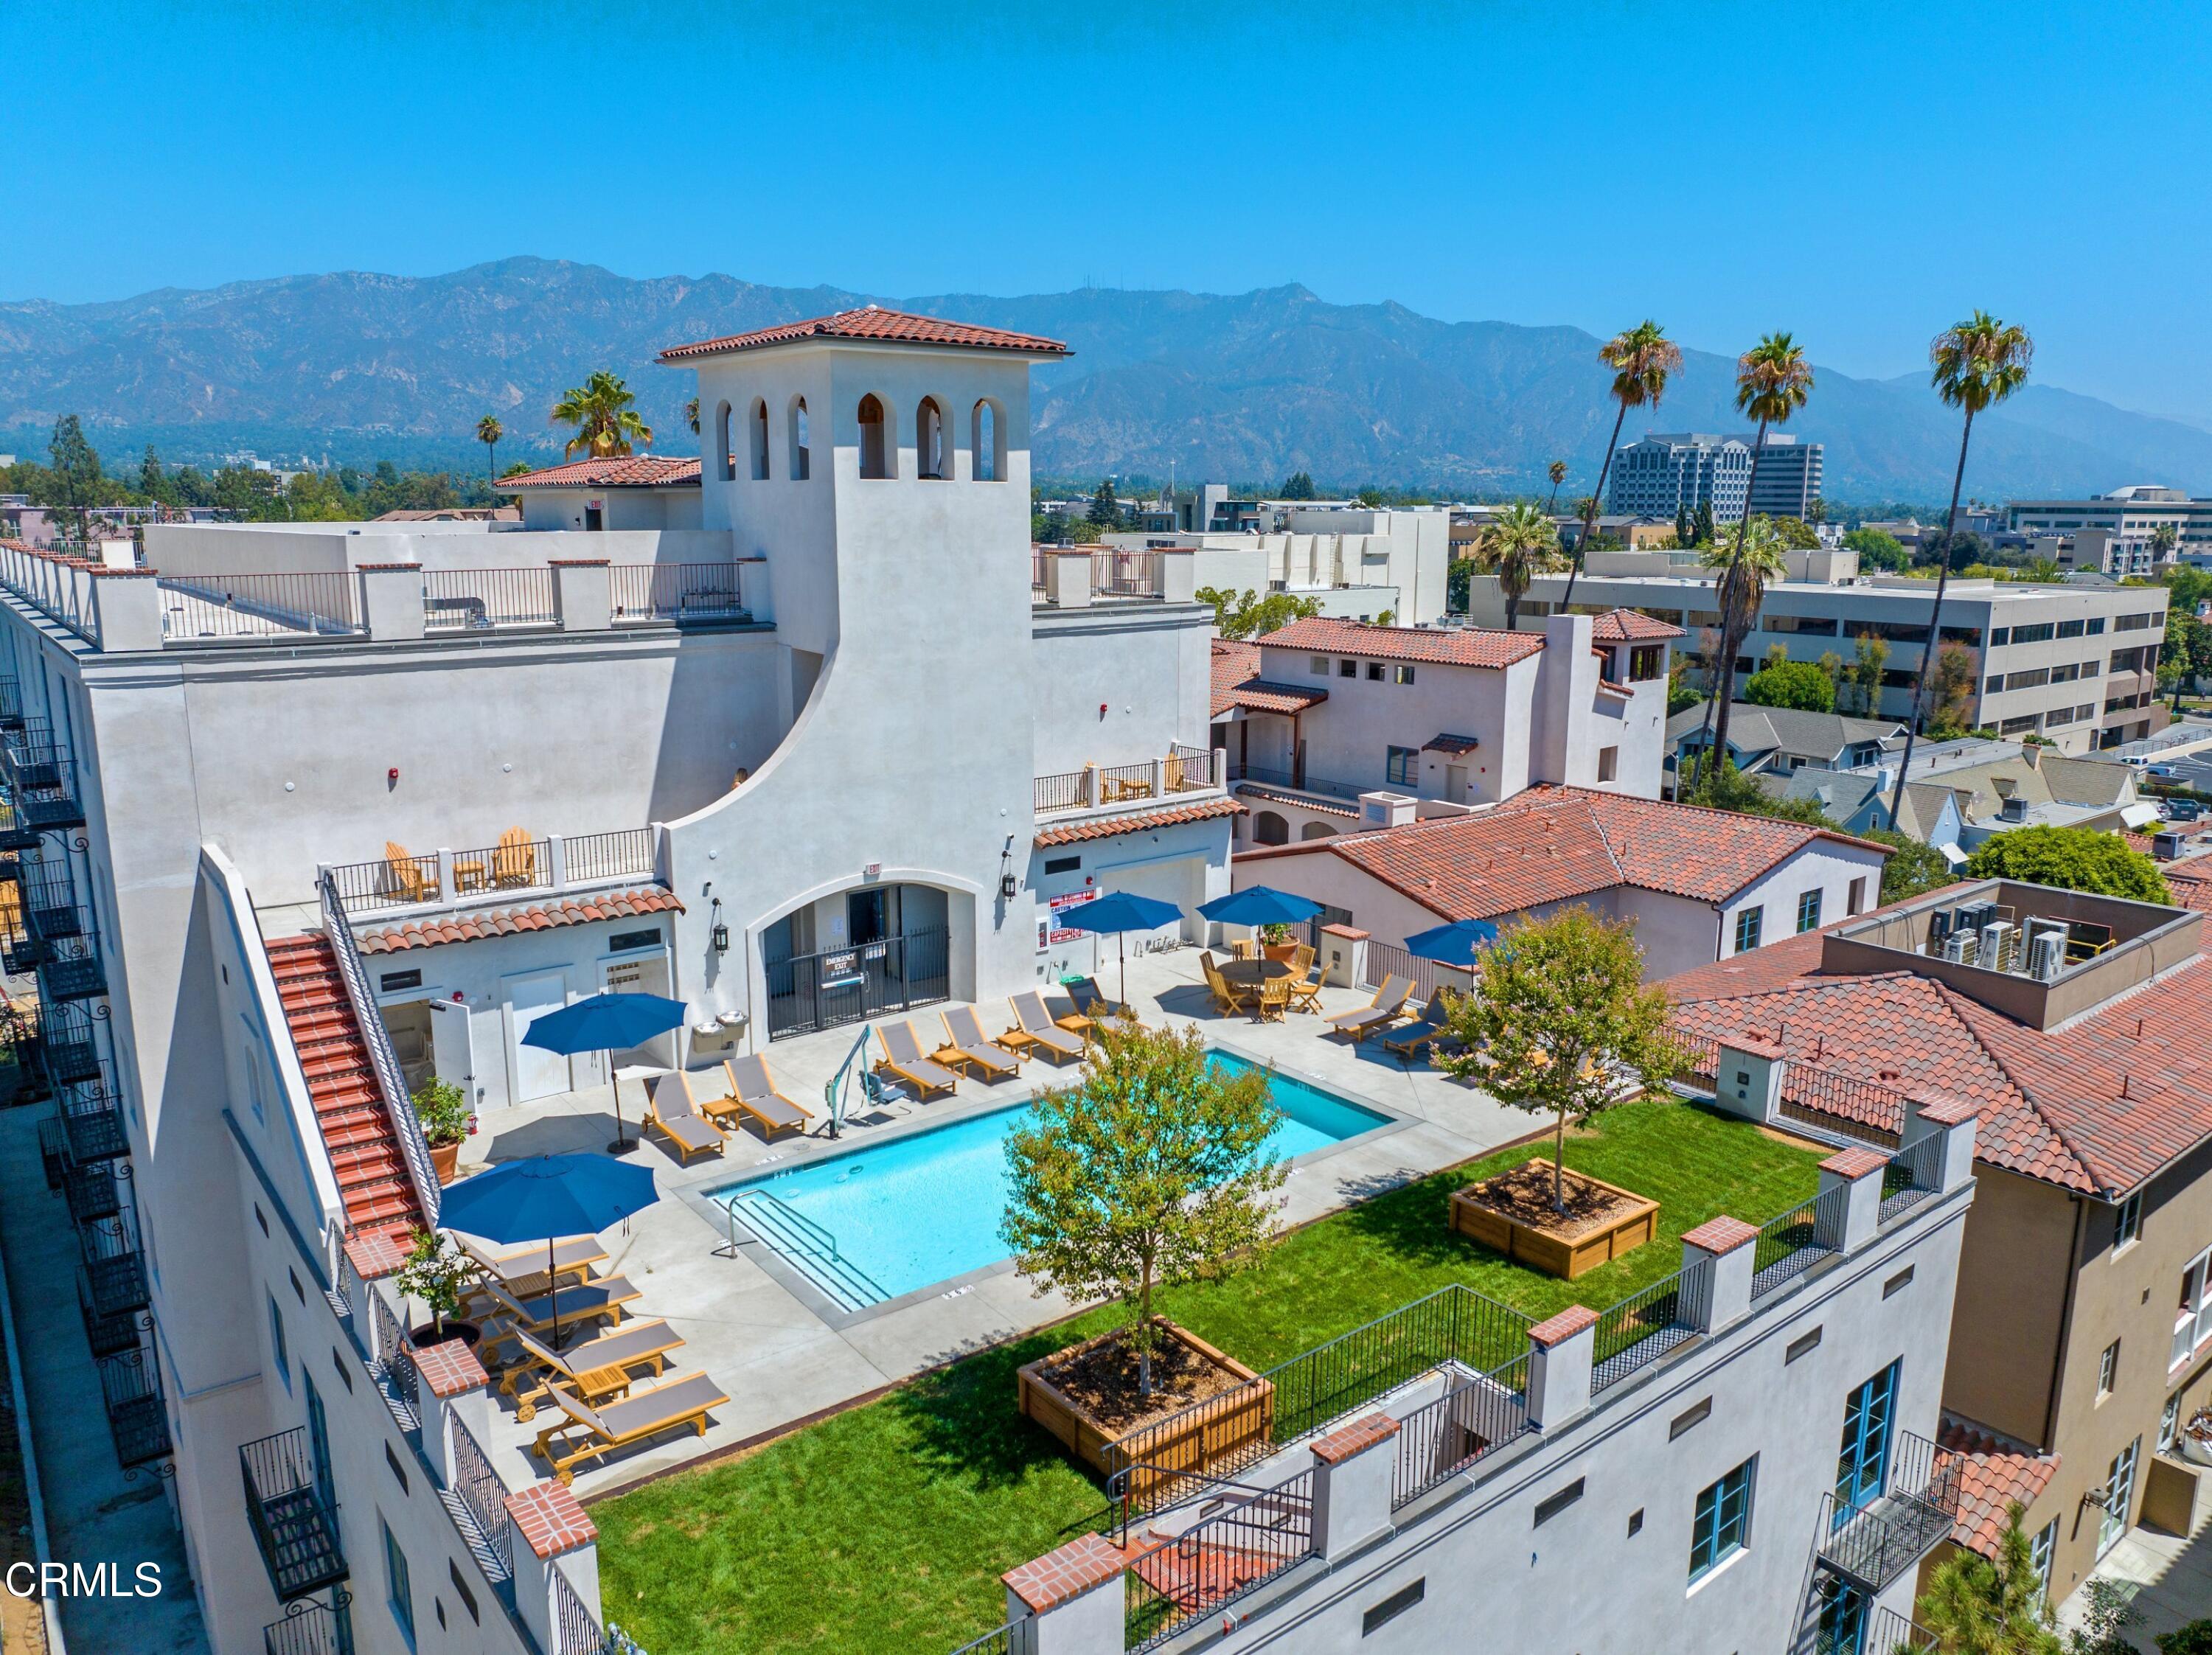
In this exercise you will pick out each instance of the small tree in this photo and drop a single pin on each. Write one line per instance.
(2072, 858)
(1867, 671)
(443, 1109)
(1105, 511)
(1951, 685)
(1151, 1170)
(1797, 684)
(1976, 1607)
(2195, 1638)
(2106, 1616)
(488, 432)
(1559, 1013)
(435, 1270)
(1299, 485)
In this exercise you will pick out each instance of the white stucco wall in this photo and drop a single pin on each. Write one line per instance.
(1146, 663)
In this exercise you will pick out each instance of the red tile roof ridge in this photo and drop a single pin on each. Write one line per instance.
(872, 322)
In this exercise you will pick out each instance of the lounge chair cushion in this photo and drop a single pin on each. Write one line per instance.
(574, 1304)
(1037, 1024)
(618, 1347)
(904, 1054)
(645, 1411)
(750, 1084)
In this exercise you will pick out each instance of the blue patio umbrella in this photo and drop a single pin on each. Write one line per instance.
(544, 1197)
(1456, 944)
(1259, 904)
(1118, 912)
(606, 1022)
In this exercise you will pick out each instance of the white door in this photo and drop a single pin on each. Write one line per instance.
(452, 1053)
(1455, 782)
(1179, 880)
(537, 1073)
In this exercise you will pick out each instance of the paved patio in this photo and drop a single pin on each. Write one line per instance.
(782, 1352)
(2171, 1574)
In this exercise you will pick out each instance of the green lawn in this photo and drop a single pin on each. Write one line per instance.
(886, 1528)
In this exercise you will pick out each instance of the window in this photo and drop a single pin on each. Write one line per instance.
(1404, 675)
(2026, 722)
(1347, 669)
(461, 1590)
(2108, 1369)
(758, 439)
(929, 440)
(1723, 1520)
(801, 458)
(1809, 911)
(727, 454)
(277, 1344)
(2192, 1321)
(875, 440)
(1402, 768)
(392, 981)
(1803, 1345)
(2127, 1222)
(1746, 929)
(1063, 864)
(2034, 678)
(2169, 1422)
(1647, 662)
(2065, 674)
(2096, 626)
(1995, 685)
(1320, 665)
(1819, 626)
(1970, 636)
(2042, 1552)
(2070, 628)
(2119, 1497)
(1551, 1505)
(398, 1593)
(1374, 672)
(1609, 763)
(1391, 1607)
(2000, 636)
(2039, 633)
(1689, 1418)
(1857, 901)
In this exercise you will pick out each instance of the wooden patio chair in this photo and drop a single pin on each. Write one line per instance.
(407, 879)
(1033, 1029)
(597, 1369)
(1387, 1008)
(1228, 999)
(753, 1092)
(1274, 1000)
(902, 1061)
(1305, 981)
(515, 861)
(589, 1432)
(966, 1050)
(672, 1110)
(1090, 1004)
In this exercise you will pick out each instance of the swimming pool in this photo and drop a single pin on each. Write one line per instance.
(875, 1222)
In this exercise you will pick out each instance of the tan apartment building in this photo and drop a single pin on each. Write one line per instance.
(2082, 1337)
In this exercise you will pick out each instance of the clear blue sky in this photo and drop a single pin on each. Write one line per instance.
(1860, 173)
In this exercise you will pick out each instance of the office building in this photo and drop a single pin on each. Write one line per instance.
(1669, 473)
(1789, 478)
(2129, 517)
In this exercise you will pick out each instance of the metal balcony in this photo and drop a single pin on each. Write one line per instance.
(93, 1191)
(92, 1122)
(41, 784)
(108, 1334)
(1871, 1542)
(66, 1048)
(20, 953)
(114, 1268)
(11, 704)
(69, 967)
(294, 1517)
(131, 1385)
(16, 834)
(311, 1628)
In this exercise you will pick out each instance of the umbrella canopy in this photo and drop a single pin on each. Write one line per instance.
(1261, 904)
(543, 1196)
(604, 1023)
(1120, 911)
(1456, 944)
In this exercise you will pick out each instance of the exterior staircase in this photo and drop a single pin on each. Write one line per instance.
(358, 1130)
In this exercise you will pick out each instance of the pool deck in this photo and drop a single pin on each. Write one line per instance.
(783, 1352)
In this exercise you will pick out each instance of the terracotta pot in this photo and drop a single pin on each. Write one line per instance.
(445, 1160)
(1284, 952)
(426, 1336)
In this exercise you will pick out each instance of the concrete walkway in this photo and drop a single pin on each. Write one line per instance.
(2171, 1574)
(95, 1514)
(781, 1351)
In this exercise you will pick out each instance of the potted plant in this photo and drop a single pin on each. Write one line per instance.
(435, 1271)
(1278, 942)
(443, 1109)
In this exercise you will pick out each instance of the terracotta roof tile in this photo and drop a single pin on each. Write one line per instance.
(870, 323)
(1457, 646)
(1629, 626)
(1109, 826)
(1994, 1472)
(471, 924)
(1233, 663)
(617, 471)
(1321, 803)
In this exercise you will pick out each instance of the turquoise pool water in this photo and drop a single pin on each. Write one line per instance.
(926, 1208)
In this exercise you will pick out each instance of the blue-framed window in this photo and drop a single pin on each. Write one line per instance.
(1809, 911)
(277, 1342)
(1403, 767)
(1748, 923)
(400, 1593)
(1723, 1520)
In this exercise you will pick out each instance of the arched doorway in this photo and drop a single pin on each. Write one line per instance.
(1268, 827)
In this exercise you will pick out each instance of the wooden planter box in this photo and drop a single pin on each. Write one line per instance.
(1225, 1424)
(1541, 1248)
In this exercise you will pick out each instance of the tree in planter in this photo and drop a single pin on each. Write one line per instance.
(443, 1109)
(1976, 1607)
(1151, 1171)
(1560, 1011)
(435, 1271)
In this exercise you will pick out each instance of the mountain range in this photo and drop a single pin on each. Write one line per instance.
(1238, 388)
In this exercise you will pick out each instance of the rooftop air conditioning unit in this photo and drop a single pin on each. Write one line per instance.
(2165, 846)
(1998, 939)
(1960, 947)
(2046, 955)
(1939, 929)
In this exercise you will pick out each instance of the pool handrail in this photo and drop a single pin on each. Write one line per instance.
(806, 1227)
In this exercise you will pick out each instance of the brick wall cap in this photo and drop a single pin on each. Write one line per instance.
(551, 1518)
(1855, 1164)
(388, 569)
(375, 1254)
(1083, 1564)
(1944, 1110)
(1753, 1046)
(1347, 932)
(1721, 1235)
(1356, 1438)
(578, 562)
(1557, 1329)
(450, 1369)
(103, 572)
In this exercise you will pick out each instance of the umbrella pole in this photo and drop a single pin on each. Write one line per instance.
(622, 1145)
(553, 1286)
(1121, 951)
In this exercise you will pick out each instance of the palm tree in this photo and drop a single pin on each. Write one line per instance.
(1772, 379)
(1641, 359)
(691, 416)
(1974, 365)
(1557, 470)
(2164, 538)
(488, 432)
(601, 411)
(1520, 544)
(1751, 556)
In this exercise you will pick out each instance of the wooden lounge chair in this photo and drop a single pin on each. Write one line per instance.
(966, 1050)
(595, 1369)
(1082, 994)
(1034, 1030)
(407, 879)
(1416, 1037)
(672, 1110)
(515, 861)
(753, 1092)
(599, 1300)
(1305, 981)
(902, 1061)
(1388, 1007)
(1227, 1000)
(521, 1269)
(589, 1432)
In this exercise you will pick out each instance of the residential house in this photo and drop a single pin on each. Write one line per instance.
(1780, 740)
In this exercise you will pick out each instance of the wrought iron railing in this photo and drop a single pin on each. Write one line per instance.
(1870, 1538)
(1304, 782)
(1223, 1557)
(678, 592)
(1438, 1441)
(1070, 790)
(291, 1515)
(576, 1630)
(401, 880)
(625, 853)
(1191, 769)
(131, 1389)
(1125, 575)
(1387, 959)
(320, 604)
(1914, 1174)
(398, 1107)
(484, 600)
(1453, 1325)
(1000, 1642)
(517, 865)
(1701, 1058)
(482, 1495)
(1884, 1632)
(392, 1366)
(1865, 1111)
(311, 1628)
(114, 1268)
(1793, 1242)
(1636, 1331)
(1119, 784)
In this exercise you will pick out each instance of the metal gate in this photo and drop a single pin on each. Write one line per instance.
(854, 984)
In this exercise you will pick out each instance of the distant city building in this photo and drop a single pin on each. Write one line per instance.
(1789, 477)
(2131, 516)
(1666, 473)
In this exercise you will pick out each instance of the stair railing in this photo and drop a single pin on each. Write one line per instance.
(398, 1107)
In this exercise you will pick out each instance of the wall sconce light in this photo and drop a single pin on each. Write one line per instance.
(1008, 885)
(720, 934)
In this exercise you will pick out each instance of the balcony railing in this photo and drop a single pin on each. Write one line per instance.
(483, 1499)
(678, 592)
(41, 784)
(1914, 1175)
(324, 604)
(114, 1268)
(1304, 782)
(1871, 1539)
(1793, 1243)
(1184, 770)
(1218, 1560)
(66, 1046)
(91, 1120)
(1435, 1443)
(488, 600)
(57, 584)
(1125, 575)
(11, 704)
(576, 1631)
(293, 1518)
(1647, 1324)
(311, 1628)
(68, 961)
(108, 1334)
(436, 878)
(130, 1386)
